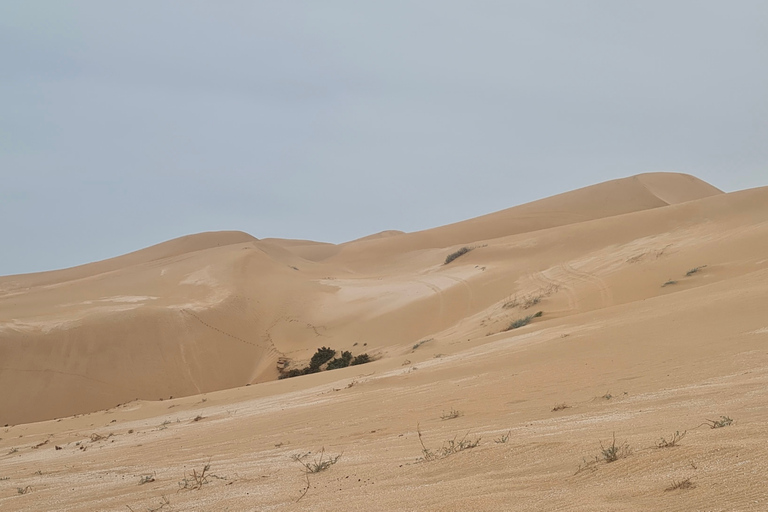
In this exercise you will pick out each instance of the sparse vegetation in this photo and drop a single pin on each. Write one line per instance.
(669, 282)
(560, 407)
(164, 501)
(520, 322)
(503, 439)
(195, 480)
(531, 299)
(417, 345)
(614, 452)
(694, 270)
(24, 490)
(453, 413)
(672, 441)
(145, 479)
(607, 396)
(686, 483)
(448, 448)
(316, 466)
(454, 255)
(724, 421)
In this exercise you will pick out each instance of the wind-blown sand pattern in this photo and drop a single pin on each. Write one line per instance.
(631, 343)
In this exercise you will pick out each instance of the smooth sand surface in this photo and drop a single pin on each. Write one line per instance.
(630, 344)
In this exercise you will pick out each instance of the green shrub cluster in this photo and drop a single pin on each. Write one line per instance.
(326, 355)
(454, 255)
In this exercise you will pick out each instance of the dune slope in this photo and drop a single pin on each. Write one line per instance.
(219, 310)
(653, 331)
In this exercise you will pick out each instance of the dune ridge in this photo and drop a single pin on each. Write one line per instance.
(218, 310)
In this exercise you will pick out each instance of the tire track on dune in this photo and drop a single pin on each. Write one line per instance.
(544, 281)
(568, 279)
(439, 292)
(470, 296)
(217, 329)
(606, 295)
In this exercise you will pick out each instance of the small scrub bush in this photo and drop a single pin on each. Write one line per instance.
(317, 465)
(454, 255)
(686, 483)
(668, 283)
(453, 413)
(672, 441)
(724, 421)
(694, 270)
(417, 345)
(503, 439)
(448, 448)
(560, 407)
(195, 480)
(614, 452)
(521, 322)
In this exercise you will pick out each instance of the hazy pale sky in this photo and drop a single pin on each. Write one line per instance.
(124, 124)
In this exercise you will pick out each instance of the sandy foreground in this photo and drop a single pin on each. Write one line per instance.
(653, 293)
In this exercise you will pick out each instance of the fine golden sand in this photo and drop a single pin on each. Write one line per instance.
(152, 366)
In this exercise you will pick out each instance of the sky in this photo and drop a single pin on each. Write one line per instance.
(125, 124)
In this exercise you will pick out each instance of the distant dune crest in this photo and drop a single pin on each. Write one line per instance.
(220, 310)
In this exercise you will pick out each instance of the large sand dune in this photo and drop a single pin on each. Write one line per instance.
(631, 338)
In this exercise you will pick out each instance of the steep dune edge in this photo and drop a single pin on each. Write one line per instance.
(175, 247)
(174, 326)
(674, 188)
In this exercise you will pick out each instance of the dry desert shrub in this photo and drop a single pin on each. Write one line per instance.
(453, 413)
(560, 407)
(317, 465)
(672, 441)
(724, 421)
(503, 439)
(520, 322)
(686, 483)
(531, 299)
(417, 345)
(195, 480)
(694, 270)
(448, 448)
(614, 452)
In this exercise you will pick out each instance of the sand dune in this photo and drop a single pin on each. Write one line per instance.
(652, 292)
